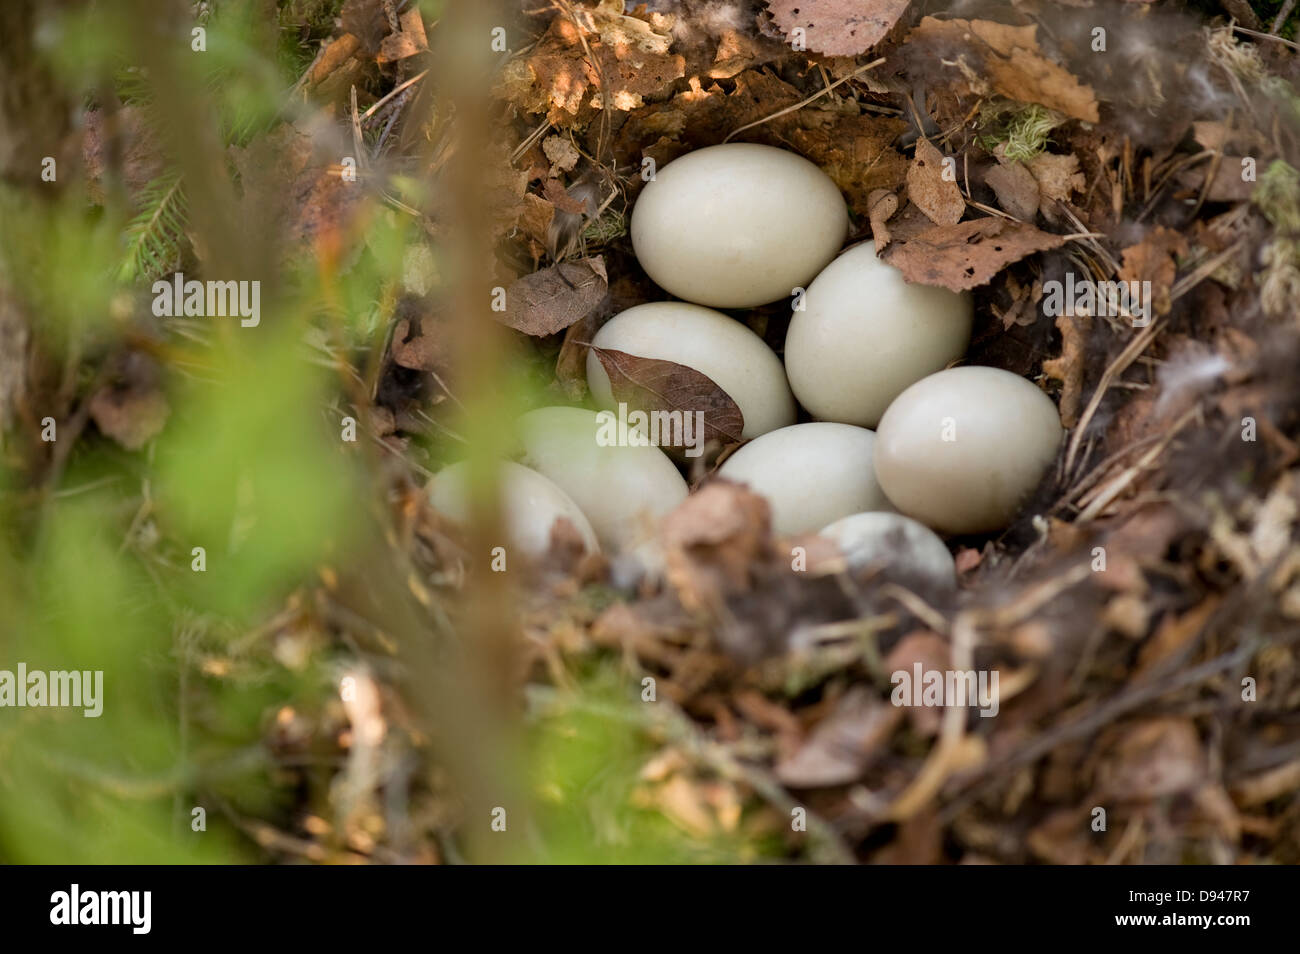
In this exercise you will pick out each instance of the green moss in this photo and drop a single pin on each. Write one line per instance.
(1277, 195)
(1022, 130)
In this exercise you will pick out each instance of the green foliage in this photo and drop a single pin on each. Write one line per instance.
(61, 257)
(155, 236)
(587, 754)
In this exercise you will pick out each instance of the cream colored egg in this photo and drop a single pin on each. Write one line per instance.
(624, 490)
(894, 544)
(865, 334)
(810, 474)
(737, 225)
(530, 505)
(961, 450)
(717, 346)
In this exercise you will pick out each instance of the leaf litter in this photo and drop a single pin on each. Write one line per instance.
(1122, 682)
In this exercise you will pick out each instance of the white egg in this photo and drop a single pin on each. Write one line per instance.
(893, 543)
(962, 449)
(530, 505)
(623, 490)
(865, 334)
(719, 347)
(810, 474)
(737, 225)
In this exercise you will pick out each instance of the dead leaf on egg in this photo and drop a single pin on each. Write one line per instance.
(651, 384)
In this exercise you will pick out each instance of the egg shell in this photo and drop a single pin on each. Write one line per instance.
(530, 505)
(865, 334)
(737, 225)
(961, 450)
(810, 474)
(719, 347)
(896, 544)
(623, 490)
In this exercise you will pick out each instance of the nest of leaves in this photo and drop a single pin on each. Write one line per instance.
(1144, 610)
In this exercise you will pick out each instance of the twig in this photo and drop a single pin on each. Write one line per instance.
(1114, 370)
(1282, 14)
(1266, 36)
(393, 92)
(800, 105)
(1099, 717)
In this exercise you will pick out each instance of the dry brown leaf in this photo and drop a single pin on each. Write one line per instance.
(931, 651)
(1016, 189)
(844, 744)
(1173, 633)
(409, 41)
(535, 221)
(1006, 60)
(420, 344)
(1153, 260)
(962, 256)
(651, 384)
(571, 362)
(553, 298)
(1058, 178)
(1155, 759)
(713, 541)
(558, 75)
(131, 415)
(837, 27)
(938, 197)
(561, 152)
(1069, 367)
(881, 204)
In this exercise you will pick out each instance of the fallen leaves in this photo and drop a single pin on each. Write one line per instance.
(1016, 189)
(881, 204)
(1006, 60)
(712, 542)
(1154, 260)
(628, 61)
(1154, 759)
(931, 188)
(844, 744)
(855, 149)
(837, 27)
(409, 40)
(652, 384)
(132, 416)
(1069, 367)
(968, 254)
(552, 299)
